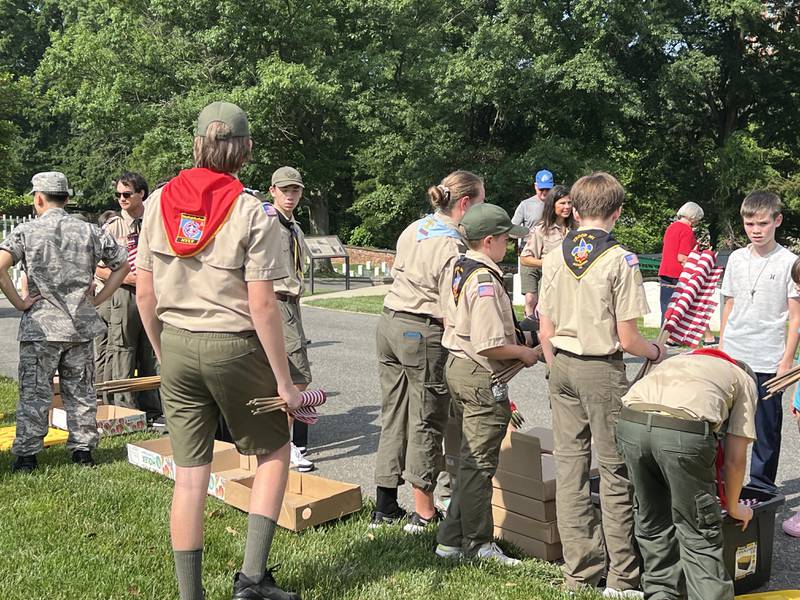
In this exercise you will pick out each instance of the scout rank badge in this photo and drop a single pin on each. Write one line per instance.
(464, 269)
(581, 249)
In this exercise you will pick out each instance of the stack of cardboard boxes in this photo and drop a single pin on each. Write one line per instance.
(523, 503)
(111, 420)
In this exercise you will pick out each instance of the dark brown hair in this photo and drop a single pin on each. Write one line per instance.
(597, 195)
(226, 155)
(796, 271)
(549, 217)
(456, 185)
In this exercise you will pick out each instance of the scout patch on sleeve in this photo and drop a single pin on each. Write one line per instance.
(270, 210)
(581, 249)
(486, 290)
(484, 278)
(190, 229)
(632, 260)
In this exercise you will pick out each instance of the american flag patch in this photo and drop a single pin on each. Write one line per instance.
(485, 291)
(632, 260)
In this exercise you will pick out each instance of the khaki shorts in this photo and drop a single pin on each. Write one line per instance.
(204, 374)
(295, 340)
(529, 278)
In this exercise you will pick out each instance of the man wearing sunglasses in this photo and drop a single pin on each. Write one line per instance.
(124, 350)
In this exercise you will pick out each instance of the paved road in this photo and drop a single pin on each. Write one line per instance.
(346, 438)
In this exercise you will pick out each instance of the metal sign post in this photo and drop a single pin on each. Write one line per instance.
(327, 246)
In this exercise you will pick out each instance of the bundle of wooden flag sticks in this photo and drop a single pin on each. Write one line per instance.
(135, 384)
(780, 383)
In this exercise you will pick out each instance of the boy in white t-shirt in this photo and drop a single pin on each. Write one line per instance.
(758, 296)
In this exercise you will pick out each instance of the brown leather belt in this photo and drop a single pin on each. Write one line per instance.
(287, 298)
(427, 319)
(664, 421)
(616, 356)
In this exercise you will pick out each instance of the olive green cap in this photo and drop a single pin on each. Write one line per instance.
(224, 112)
(489, 219)
(287, 176)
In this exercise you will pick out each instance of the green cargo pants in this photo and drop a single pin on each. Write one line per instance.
(415, 401)
(124, 351)
(678, 519)
(585, 397)
(483, 422)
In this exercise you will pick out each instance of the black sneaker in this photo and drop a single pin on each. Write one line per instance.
(24, 464)
(417, 524)
(83, 458)
(266, 589)
(380, 519)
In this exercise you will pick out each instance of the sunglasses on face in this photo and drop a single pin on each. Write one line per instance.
(125, 195)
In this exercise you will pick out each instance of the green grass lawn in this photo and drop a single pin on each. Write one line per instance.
(67, 533)
(374, 305)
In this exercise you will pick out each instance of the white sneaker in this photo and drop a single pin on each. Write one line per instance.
(300, 463)
(610, 592)
(451, 552)
(491, 551)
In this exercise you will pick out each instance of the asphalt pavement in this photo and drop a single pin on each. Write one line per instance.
(344, 442)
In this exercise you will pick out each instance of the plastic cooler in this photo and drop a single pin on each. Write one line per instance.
(748, 553)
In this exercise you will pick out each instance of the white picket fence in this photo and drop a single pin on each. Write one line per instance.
(7, 223)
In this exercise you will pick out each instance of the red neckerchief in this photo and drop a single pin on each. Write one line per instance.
(720, 460)
(195, 205)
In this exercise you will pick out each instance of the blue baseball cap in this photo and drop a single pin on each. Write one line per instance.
(544, 179)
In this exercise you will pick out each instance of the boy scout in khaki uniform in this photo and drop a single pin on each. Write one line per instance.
(208, 254)
(685, 403)
(591, 297)
(60, 320)
(124, 351)
(286, 191)
(481, 337)
(411, 359)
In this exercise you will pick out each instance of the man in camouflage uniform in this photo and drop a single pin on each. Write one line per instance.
(59, 321)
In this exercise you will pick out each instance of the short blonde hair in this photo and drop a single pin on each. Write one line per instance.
(691, 211)
(220, 152)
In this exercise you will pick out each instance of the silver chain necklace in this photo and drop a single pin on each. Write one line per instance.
(753, 284)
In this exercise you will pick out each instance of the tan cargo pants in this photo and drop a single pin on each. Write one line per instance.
(585, 398)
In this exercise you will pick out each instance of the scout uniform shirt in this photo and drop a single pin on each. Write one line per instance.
(125, 229)
(587, 296)
(483, 317)
(293, 243)
(208, 291)
(705, 388)
(541, 242)
(59, 254)
(423, 268)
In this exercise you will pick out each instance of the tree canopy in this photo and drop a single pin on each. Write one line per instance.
(375, 100)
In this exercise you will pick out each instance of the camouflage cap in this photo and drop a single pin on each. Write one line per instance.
(287, 176)
(224, 112)
(51, 182)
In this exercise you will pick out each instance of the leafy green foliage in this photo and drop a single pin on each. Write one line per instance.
(374, 101)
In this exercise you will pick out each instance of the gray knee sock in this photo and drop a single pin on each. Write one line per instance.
(189, 570)
(260, 531)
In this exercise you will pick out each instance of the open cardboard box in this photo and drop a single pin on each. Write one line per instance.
(519, 453)
(111, 420)
(156, 455)
(309, 500)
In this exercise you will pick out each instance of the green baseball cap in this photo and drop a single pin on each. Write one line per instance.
(224, 112)
(287, 176)
(489, 219)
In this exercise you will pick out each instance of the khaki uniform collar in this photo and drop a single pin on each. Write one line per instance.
(447, 219)
(483, 259)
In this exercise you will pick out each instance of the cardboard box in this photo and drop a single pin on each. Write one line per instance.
(309, 500)
(544, 489)
(523, 505)
(531, 546)
(545, 531)
(520, 453)
(545, 436)
(153, 455)
(111, 420)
